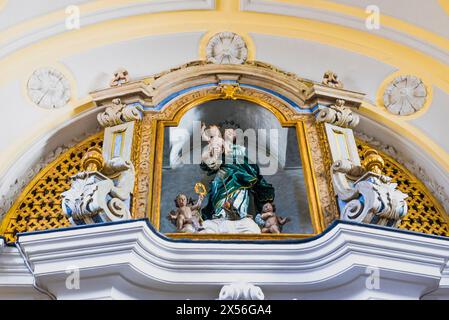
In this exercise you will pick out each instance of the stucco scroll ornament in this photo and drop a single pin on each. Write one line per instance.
(365, 194)
(330, 79)
(339, 115)
(121, 76)
(241, 291)
(96, 197)
(119, 113)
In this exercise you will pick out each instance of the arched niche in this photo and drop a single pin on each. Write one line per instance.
(293, 108)
(281, 163)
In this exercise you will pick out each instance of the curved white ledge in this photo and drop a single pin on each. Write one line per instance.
(131, 260)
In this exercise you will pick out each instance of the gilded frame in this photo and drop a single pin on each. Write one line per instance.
(313, 155)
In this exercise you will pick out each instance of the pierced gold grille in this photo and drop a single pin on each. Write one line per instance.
(425, 214)
(39, 205)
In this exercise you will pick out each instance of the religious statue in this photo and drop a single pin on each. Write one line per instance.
(186, 217)
(271, 223)
(216, 146)
(235, 180)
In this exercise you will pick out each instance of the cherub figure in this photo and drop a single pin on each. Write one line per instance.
(211, 155)
(230, 136)
(186, 217)
(273, 223)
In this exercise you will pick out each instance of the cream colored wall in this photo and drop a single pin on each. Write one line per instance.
(426, 14)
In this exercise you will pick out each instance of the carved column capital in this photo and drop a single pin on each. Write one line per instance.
(119, 113)
(339, 115)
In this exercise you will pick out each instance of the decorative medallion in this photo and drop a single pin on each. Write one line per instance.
(405, 95)
(226, 48)
(48, 88)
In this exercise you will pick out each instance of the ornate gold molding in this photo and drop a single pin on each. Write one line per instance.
(148, 192)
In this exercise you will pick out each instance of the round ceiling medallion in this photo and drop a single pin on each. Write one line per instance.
(48, 88)
(405, 95)
(226, 48)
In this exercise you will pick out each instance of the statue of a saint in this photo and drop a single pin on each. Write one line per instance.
(234, 182)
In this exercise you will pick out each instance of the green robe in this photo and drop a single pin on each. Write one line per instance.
(235, 181)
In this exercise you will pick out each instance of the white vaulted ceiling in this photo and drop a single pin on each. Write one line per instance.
(306, 37)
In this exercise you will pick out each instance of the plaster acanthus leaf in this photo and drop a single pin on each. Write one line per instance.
(330, 79)
(94, 197)
(121, 76)
(372, 198)
(241, 291)
(338, 115)
(119, 113)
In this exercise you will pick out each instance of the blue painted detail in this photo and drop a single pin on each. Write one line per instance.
(362, 199)
(79, 222)
(382, 207)
(341, 204)
(276, 94)
(118, 145)
(228, 81)
(258, 219)
(97, 219)
(68, 210)
(316, 107)
(161, 104)
(375, 219)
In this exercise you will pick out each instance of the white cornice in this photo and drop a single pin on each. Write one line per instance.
(130, 260)
(16, 280)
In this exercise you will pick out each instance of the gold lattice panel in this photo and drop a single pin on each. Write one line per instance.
(39, 205)
(425, 214)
